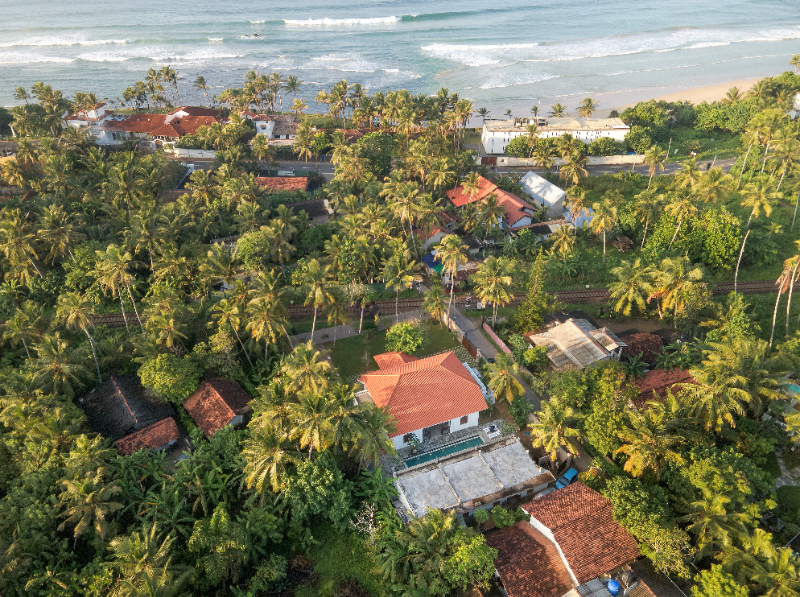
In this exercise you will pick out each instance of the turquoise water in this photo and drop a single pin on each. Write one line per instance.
(502, 55)
(794, 388)
(428, 456)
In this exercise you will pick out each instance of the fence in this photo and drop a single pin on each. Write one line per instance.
(496, 338)
(473, 350)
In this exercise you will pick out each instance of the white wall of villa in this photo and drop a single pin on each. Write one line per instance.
(455, 425)
(497, 134)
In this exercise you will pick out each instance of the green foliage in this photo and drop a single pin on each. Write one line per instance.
(77, 270)
(377, 149)
(312, 240)
(519, 147)
(404, 337)
(639, 139)
(650, 113)
(715, 239)
(221, 547)
(520, 409)
(472, 562)
(606, 146)
(645, 513)
(717, 583)
(270, 576)
(318, 490)
(732, 116)
(530, 314)
(253, 249)
(173, 378)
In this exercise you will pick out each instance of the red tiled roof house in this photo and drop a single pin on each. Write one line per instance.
(216, 404)
(427, 397)
(519, 213)
(572, 541)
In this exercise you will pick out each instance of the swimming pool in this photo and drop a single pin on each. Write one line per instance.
(794, 388)
(446, 451)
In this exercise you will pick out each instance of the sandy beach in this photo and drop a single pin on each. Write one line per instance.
(698, 95)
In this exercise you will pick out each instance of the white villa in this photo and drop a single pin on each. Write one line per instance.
(93, 122)
(497, 134)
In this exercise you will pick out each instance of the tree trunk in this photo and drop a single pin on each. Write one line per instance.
(243, 348)
(122, 304)
(38, 273)
(646, 223)
(314, 324)
(361, 320)
(494, 315)
(287, 336)
(775, 315)
(739, 261)
(652, 172)
(604, 248)
(135, 310)
(27, 352)
(396, 307)
(764, 163)
(94, 354)
(789, 302)
(674, 235)
(744, 165)
(796, 203)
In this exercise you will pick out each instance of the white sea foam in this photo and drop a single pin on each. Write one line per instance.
(28, 58)
(514, 81)
(215, 38)
(257, 22)
(348, 63)
(601, 47)
(338, 22)
(158, 55)
(65, 40)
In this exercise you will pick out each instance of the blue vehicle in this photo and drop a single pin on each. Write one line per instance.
(567, 478)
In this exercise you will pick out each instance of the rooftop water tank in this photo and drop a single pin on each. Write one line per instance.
(613, 587)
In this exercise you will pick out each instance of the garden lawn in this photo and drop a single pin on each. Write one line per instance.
(340, 558)
(353, 356)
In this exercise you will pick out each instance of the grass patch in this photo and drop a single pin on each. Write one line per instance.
(762, 307)
(340, 558)
(788, 499)
(353, 356)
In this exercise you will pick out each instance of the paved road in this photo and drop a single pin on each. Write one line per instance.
(642, 169)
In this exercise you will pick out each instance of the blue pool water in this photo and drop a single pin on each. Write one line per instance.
(428, 456)
(794, 388)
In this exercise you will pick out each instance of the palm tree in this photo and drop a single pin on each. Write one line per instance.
(24, 326)
(633, 286)
(111, 271)
(59, 368)
(576, 204)
(315, 282)
(655, 157)
(794, 61)
(305, 370)
(304, 141)
(712, 525)
(201, 85)
(604, 219)
(648, 207)
(298, 106)
(228, 317)
(312, 421)
(587, 107)
(434, 303)
(76, 312)
(372, 437)
(759, 196)
(483, 113)
(710, 402)
(674, 280)
(490, 214)
(267, 456)
(558, 111)
(493, 281)
(563, 241)
(732, 95)
(681, 207)
(553, 430)
(451, 252)
(88, 501)
(503, 378)
(648, 443)
(398, 274)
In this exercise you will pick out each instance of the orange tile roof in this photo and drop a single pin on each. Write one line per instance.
(153, 436)
(282, 183)
(460, 198)
(138, 123)
(425, 392)
(155, 125)
(582, 525)
(389, 360)
(528, 563)
(514, 206)
(215, 403)
(197, 111)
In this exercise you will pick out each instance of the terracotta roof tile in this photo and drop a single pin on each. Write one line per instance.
(460, 198)
(581, 522)
(138, 123)
(389, 360)
(515, 207)
(215, 403)
(659, 381)
(425, 392)
(648, 345)
(276, 184)
(196, 111)
(528, 563)
(153, 436)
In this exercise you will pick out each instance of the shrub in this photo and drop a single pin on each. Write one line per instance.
(404, 337)
(606, 146)
(639, 139)
(173, 378)
(519, 147)
(502, 518)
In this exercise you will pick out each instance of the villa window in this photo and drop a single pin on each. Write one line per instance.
(464, 420)
(407, 438)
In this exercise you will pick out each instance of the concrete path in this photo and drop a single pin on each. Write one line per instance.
(788, 477)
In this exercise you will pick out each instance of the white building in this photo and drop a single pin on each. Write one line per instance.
(93, 121)
(545, 193)
(279, 126)
(427, 397)
(497, 134)
(576, 343)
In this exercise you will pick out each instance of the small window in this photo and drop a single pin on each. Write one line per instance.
(407, 438)
(464, 420)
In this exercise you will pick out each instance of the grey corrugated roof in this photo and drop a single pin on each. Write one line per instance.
(541, 189)
(576, 341)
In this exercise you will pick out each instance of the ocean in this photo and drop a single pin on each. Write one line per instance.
(501, 55)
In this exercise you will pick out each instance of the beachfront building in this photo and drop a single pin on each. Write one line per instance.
(497, 134)
(518, 213)
(427, 397)
(277, 126)
(545, 193)
(93, 122)
(165, 128)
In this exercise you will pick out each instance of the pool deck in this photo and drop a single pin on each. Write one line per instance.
(393, 464)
